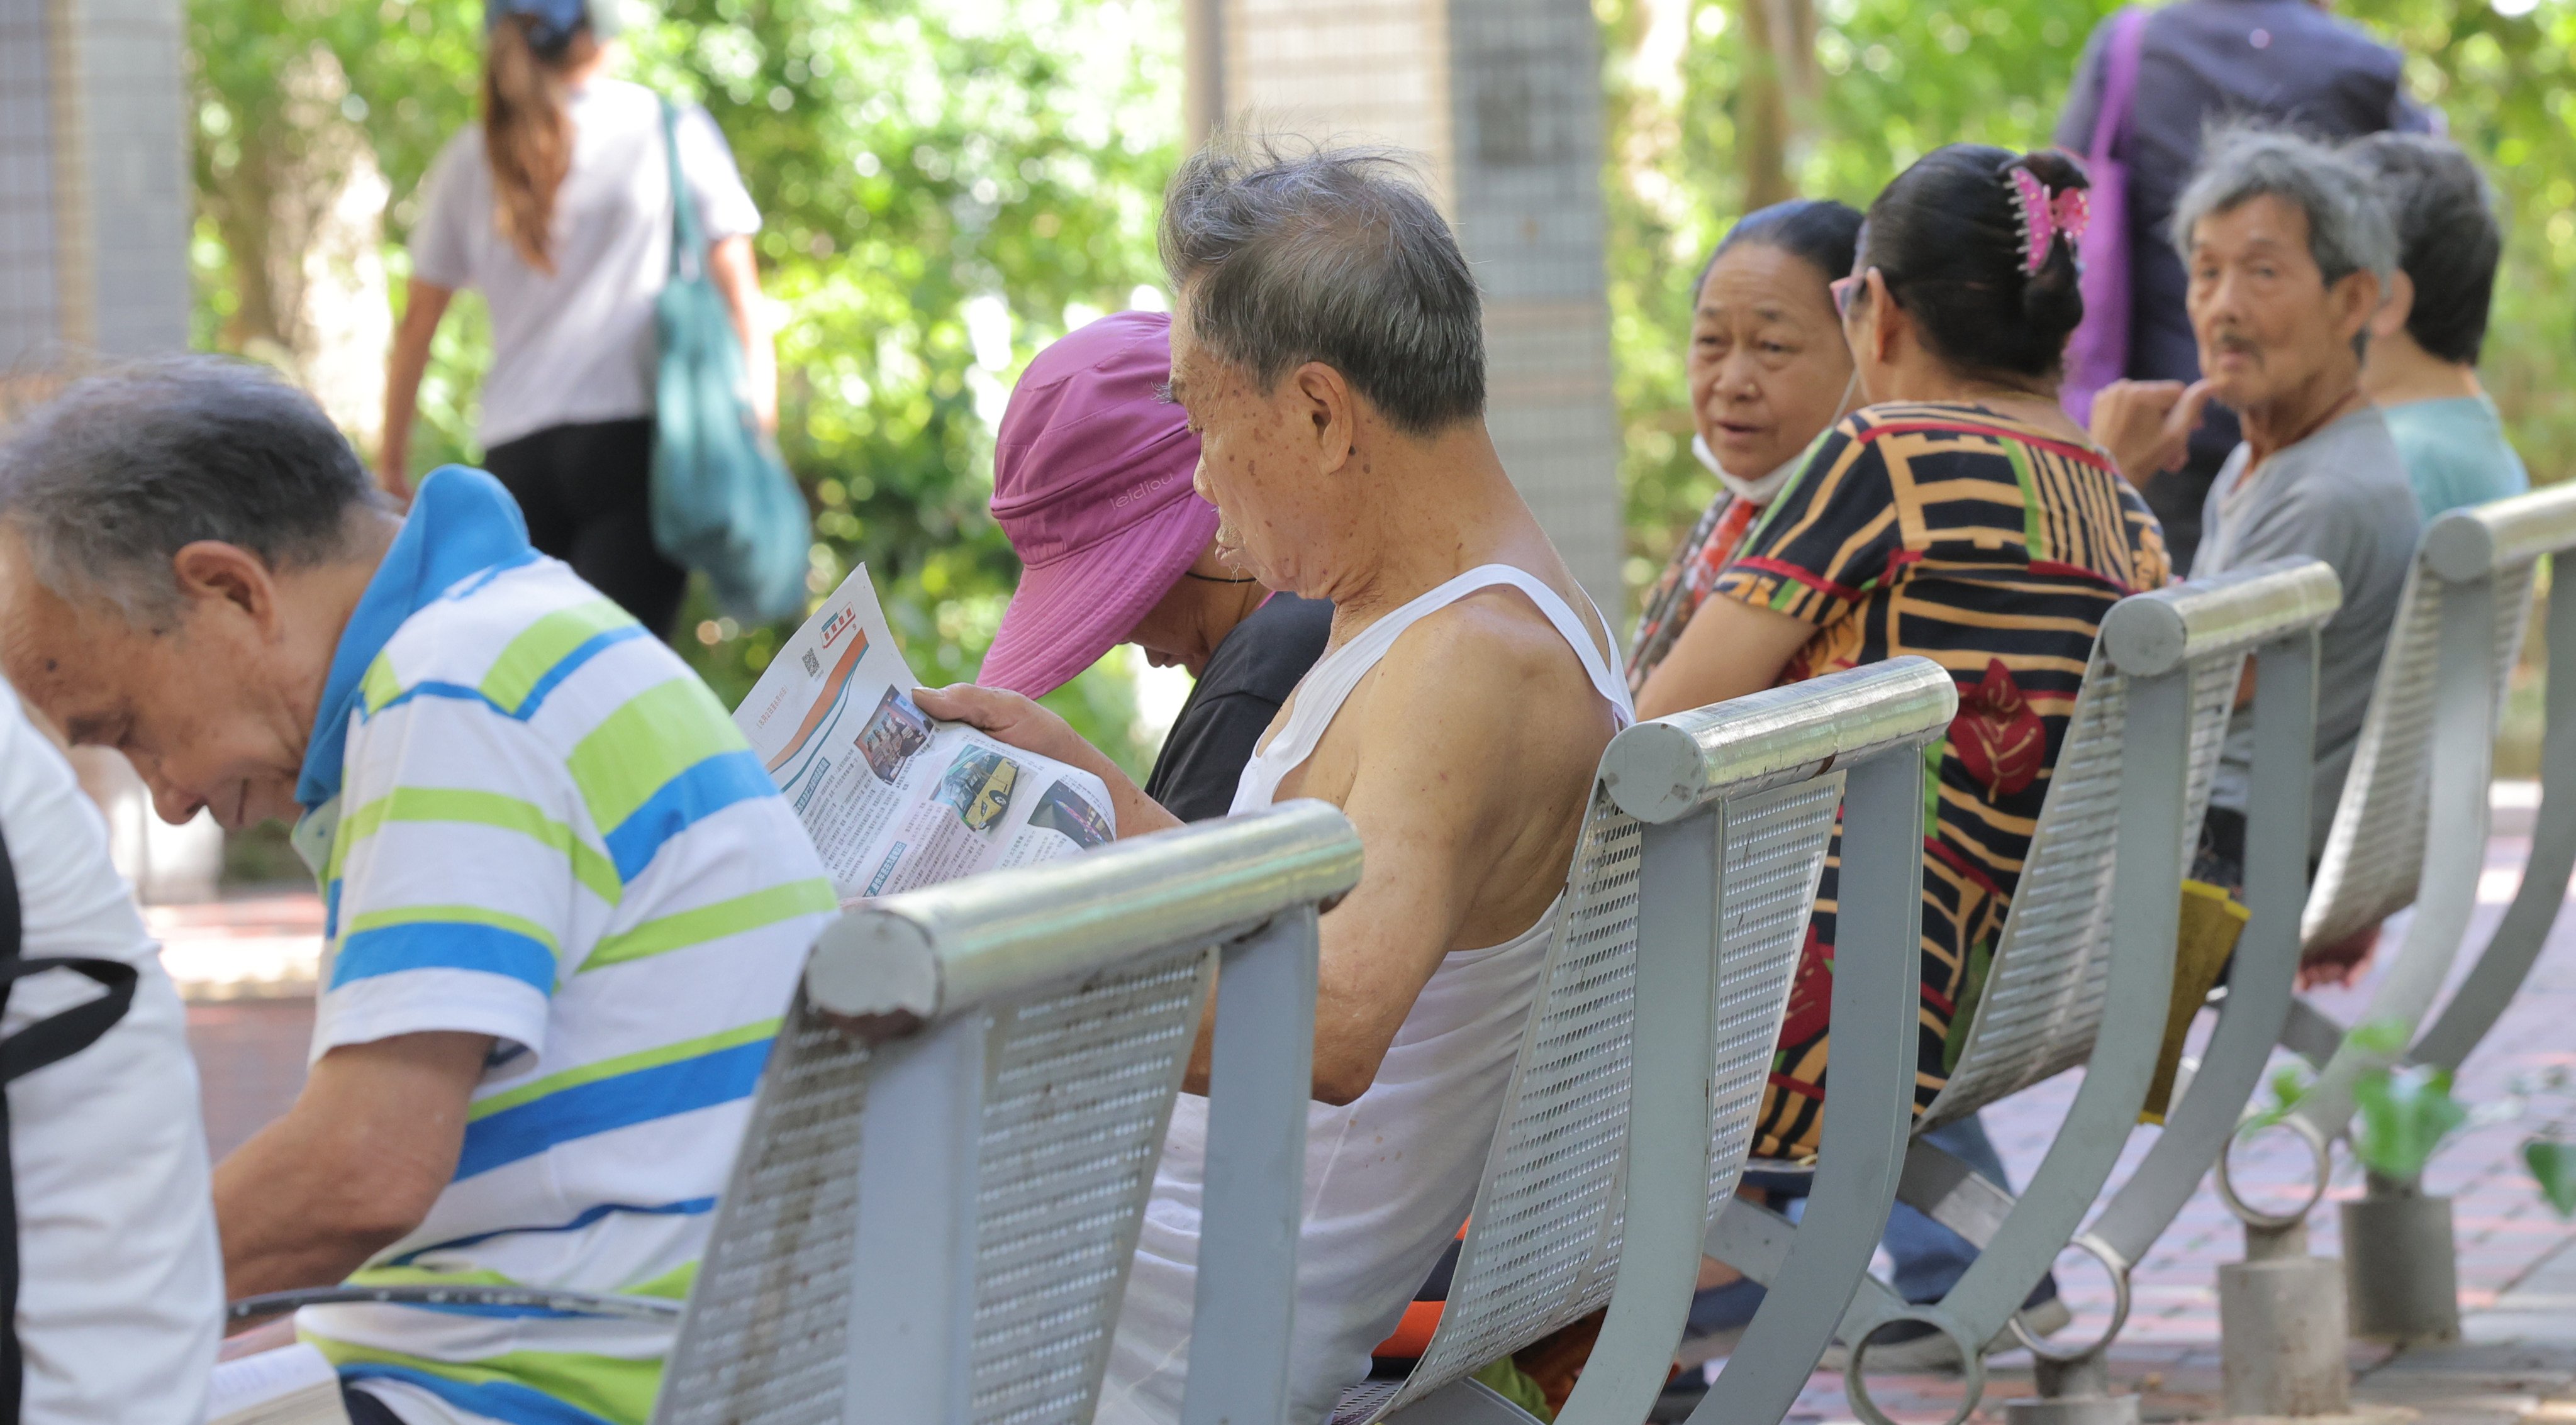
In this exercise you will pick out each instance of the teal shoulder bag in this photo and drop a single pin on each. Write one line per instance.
(722, 499)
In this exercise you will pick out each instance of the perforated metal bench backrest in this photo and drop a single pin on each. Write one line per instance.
(1543, 1240)
(2042, 1001)
(997, 1161)
(1078, 1091)
(2374, 855)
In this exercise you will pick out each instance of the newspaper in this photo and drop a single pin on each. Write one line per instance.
(893, 799)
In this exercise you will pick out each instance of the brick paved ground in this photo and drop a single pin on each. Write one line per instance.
(2517, 1260)
(247, 963)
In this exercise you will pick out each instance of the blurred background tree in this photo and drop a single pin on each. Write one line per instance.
(1713, 113)
(945, 188)
(948, 187)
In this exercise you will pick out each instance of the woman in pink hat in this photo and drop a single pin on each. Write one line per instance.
(1091, 482)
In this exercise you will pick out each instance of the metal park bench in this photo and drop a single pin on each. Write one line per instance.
(2082, 974)
(936, 1201)
(2411, 829)
(1633, 1102)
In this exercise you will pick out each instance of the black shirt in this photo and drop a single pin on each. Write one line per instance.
(1248, 676)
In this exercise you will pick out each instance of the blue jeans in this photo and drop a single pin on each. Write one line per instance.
(1930, 1258)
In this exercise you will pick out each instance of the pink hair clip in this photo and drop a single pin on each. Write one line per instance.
(2045, 218)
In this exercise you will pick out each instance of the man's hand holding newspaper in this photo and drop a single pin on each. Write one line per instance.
(892, 798)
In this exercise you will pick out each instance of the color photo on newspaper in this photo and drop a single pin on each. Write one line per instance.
(892, 798)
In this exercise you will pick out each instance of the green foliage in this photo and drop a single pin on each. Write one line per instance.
(945, 187)
(2288, 1084)
(2403, 1111)
(2553, 1166)
(2404, 1114)
(1900, 78)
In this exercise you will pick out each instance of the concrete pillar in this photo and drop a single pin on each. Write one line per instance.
(94, 184)
(94, 212)
(1502, 99)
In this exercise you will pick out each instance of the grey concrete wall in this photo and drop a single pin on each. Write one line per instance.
(133, 104)
(1502, 98)
(29, 315)
(94, 184)
(1526, 87)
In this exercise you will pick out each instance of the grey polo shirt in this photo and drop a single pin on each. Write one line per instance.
(2341, 495)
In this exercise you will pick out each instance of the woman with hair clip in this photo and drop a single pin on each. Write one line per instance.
(558, 206)
(1958, 515)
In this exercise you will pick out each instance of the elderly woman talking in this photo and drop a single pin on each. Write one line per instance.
(1768, 371)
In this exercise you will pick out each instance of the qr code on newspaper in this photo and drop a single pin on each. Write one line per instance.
(813, 665)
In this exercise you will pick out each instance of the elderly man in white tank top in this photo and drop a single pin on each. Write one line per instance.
(1328, 347)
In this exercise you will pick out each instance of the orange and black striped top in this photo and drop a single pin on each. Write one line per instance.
(1994, 548)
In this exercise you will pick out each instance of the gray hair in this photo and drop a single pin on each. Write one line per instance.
(109, 480)
(1331, 255)
(2349, 229)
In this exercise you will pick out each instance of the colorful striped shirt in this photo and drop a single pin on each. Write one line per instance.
(1993, 548)
(532, 821)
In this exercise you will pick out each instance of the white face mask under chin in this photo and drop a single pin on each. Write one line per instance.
(1760, 492)
(1756, 492)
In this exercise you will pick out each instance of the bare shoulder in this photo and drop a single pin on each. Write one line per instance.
(1493, 673)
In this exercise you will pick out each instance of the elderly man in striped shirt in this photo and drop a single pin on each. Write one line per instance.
(566, 906)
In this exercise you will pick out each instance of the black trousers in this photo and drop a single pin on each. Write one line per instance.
(587, 493)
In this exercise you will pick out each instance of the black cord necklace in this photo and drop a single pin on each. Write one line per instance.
(1213, 579)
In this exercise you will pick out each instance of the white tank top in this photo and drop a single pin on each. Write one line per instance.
(1391, 1175)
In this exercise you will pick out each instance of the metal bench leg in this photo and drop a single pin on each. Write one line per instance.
(909, 1350)
(2145, 915)
(1260, 1079)
(2455, 846)
(2074, 1386)
(1869, 1100)
(1666, 1191)
(2509, 955)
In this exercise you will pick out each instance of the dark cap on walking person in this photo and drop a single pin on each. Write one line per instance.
(1091, 483)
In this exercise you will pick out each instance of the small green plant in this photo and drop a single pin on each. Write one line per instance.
(2553, 1166)
(2547, 1152)
(2404, 1113)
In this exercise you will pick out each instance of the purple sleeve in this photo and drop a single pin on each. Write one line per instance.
(2084, 97)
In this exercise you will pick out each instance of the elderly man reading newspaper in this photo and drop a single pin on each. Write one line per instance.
(565, 903)
(1328, 348)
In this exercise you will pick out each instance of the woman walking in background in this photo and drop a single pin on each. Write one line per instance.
(558, 207)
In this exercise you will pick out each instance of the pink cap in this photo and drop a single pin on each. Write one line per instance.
(1091, 482)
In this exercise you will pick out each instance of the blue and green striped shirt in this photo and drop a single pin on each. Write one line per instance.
(532, 821)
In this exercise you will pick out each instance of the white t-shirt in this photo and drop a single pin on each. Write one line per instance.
(577, 346)
(120, 1287)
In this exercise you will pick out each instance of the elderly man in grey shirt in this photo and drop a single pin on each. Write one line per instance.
(2287, 249)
